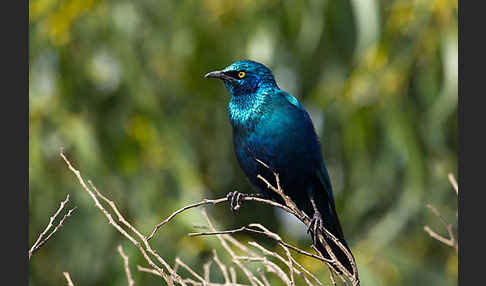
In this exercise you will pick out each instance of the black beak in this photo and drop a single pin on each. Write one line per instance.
(218, 74)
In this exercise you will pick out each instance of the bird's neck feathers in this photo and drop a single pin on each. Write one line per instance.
(246, 109)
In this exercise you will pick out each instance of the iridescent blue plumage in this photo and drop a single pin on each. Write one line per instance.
(271, 125)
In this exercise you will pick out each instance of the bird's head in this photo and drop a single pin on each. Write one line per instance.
(244, 77)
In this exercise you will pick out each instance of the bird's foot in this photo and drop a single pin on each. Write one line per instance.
(315, 224)
(236, 199)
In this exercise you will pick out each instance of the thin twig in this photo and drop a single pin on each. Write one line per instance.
(207, 270)
(127, 267)
(308, 272)
(252, 279)
(453, 182)
(262, 275)
(287, 252)
(68, 278)
(352, 276)
(179, 262)
(154, 272)
(244, 228)
(224, 237)
(280, 258)
(451, 241)
(233, 274)
(148, 270)
(169, 279)
(138, 233)
(40, 241)
(270, 266)
(213, 202)
(331, 276)
(222, 267)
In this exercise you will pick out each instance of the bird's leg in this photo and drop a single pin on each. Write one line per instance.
(236, 199)
(316, 221)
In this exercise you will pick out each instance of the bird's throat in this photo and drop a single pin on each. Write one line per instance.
(246, 110)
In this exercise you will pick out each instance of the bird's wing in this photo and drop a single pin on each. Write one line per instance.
(326, 183)
(291, 99)
(322, 172)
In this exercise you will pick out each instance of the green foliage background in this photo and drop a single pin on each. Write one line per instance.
(119, 85)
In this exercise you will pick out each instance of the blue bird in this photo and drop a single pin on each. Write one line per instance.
(272, 126)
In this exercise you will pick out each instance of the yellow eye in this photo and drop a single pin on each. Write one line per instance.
(241, 74)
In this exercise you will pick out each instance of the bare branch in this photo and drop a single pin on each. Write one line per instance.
(212, 202)
(244, 228)
(262, 275)
(453, 182)
(293, 209)
(331, 276)
(179, 262)
(138, 233)
(440, 238)
(222, 267)
(309, 273)
(154, 272)
(451, 241)
(233, 274)
(207, 270)
(352, 277)
(253, 280)
(68, 278)
(127, 267)
(169, 279)
(170, 275)
(41, 240)
(288, 263)
(269, 265)
(148, 270)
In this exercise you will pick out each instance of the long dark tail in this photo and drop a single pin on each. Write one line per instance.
(325, 204)
(336, 250)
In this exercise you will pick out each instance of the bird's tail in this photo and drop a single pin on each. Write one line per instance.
(327, 208)
(337, 251)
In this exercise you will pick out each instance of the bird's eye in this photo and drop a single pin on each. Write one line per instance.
(241, 74)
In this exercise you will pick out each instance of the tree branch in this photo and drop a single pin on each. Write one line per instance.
(162, 269)
(68, 278)
(41, 240)
(168, 278)
(451, 241)
(127, 267)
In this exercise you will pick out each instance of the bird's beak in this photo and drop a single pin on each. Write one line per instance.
(218, 74)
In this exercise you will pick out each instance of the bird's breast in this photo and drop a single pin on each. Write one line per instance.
(279, 134)
(288, 149)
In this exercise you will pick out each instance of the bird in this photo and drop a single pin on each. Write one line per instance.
(271, 126)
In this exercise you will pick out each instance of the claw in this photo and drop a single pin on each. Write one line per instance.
(236, 200)
(315, 225)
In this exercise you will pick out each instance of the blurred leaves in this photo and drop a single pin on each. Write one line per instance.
(119, 85)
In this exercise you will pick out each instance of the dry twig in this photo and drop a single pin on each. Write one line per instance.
(41, 240)
(451, 240)
(68, 278)
(168, 278)
(162, 269)
(212, 202)
(127, 266)
(351, 276)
